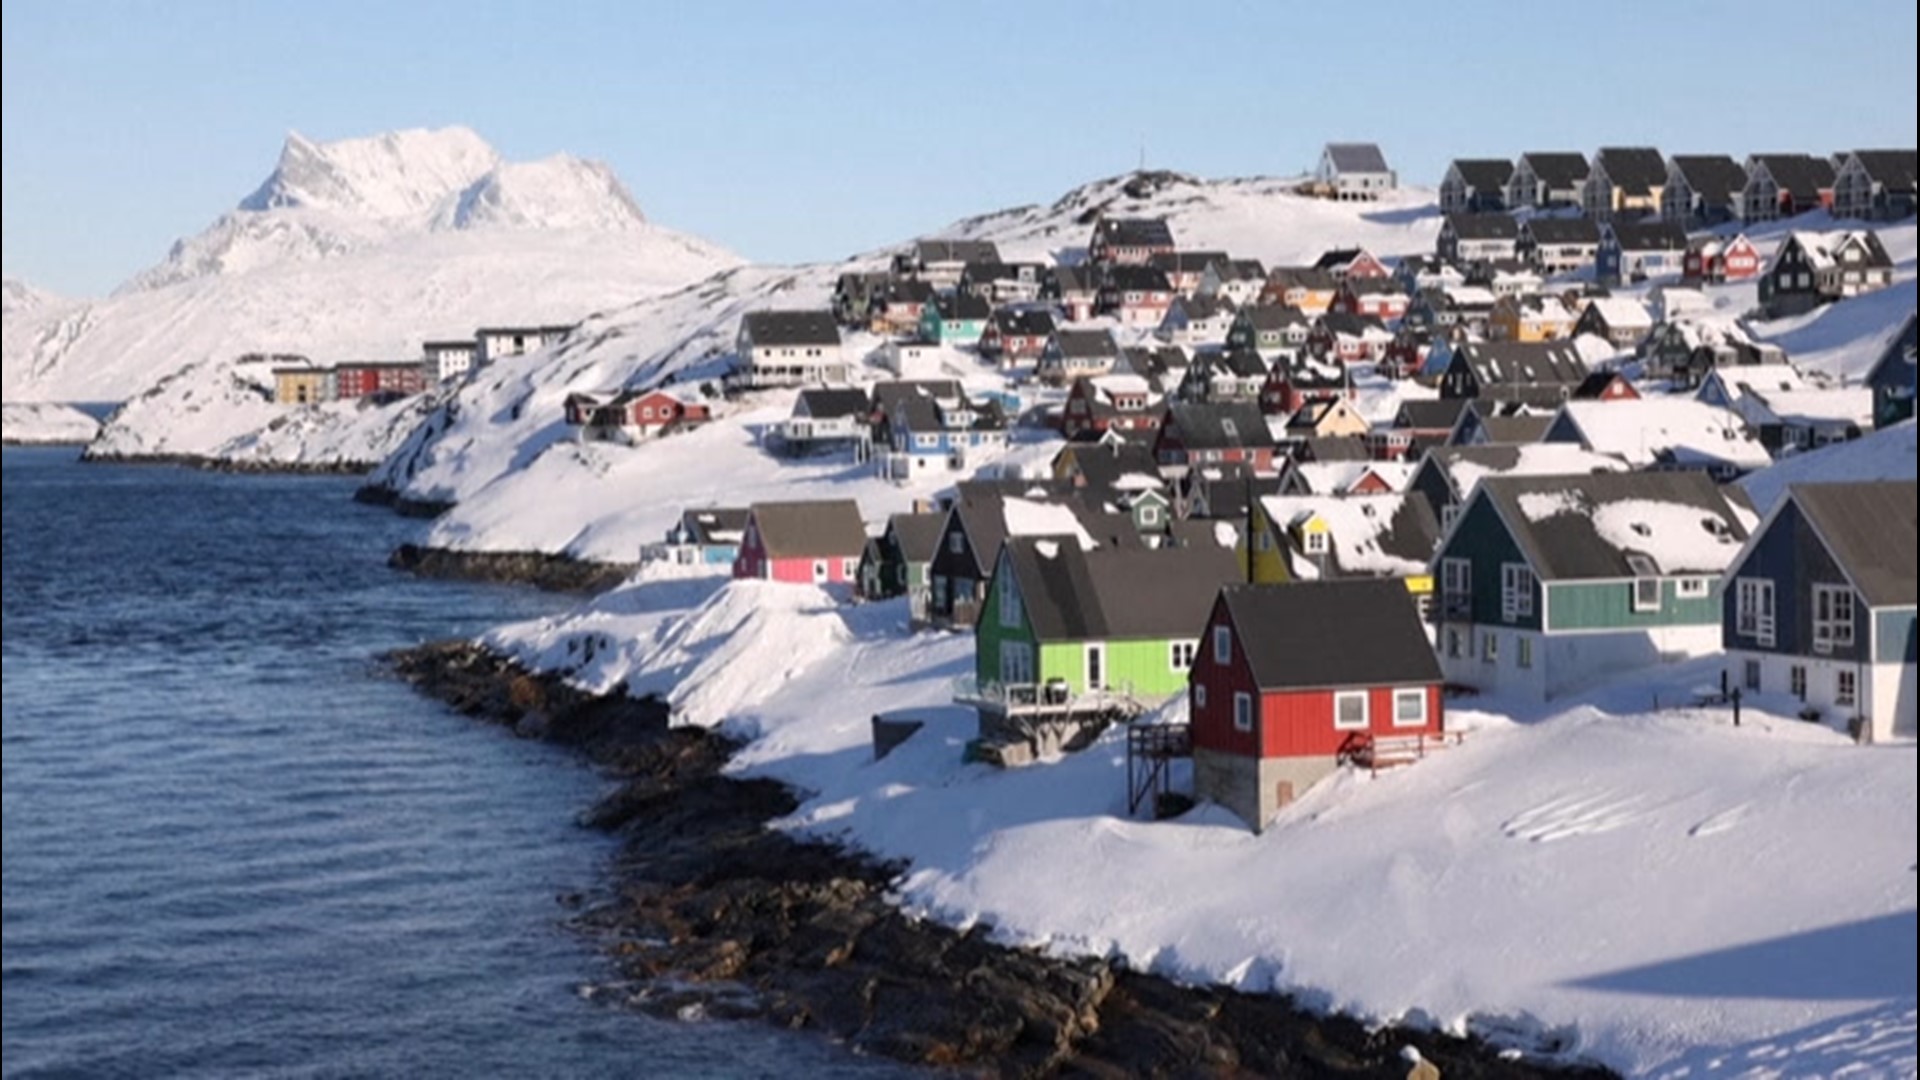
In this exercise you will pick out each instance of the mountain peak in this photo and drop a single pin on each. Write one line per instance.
(560, 192)
(397, 174)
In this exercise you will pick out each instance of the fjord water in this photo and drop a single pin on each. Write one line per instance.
(234, 847)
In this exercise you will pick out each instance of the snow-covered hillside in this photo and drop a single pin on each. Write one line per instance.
(358, 249)
(18, 298)
(1661, 891)
(499, 449)
(44, 423)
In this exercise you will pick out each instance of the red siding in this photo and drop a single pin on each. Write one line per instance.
(1213, 726)
(1300, 723)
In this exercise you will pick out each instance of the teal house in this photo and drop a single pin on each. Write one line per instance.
(954, 319)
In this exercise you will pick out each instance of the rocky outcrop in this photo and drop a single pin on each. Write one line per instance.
(713, 914)
(559, 573)
(231, 465)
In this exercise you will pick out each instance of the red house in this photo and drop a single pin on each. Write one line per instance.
(1216, 433)
(1292, 680)
(1293, 382)
(1354, 262)
(802, 542)
(381, 378)
(1124, 403)
(1380, 297)
(1016, 334)
(1713, 258)
(654, 411)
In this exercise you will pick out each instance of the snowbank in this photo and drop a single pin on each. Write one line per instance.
(45, 423)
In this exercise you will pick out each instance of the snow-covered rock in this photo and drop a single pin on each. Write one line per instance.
(45, 423)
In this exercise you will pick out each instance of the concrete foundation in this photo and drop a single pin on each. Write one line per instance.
(1253, 788)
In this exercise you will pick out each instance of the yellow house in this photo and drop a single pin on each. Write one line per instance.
(1309, 537)
(1530, 318)
(301, 385)
(1327, 418)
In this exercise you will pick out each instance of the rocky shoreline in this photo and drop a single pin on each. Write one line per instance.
(381, 495)
(228, 465)
(542, 570)
(713, 914)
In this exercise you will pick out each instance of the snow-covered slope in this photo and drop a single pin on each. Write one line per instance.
(362, 248)
(1881, 455)
(493, 449)
(39, 422)
(19, 297)
(1659, 890)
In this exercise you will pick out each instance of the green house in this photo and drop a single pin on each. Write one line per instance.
(954, 319)
(1548, 583)
(896, 562)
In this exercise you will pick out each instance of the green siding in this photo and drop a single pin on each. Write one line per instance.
(1064, 660)
(1608, 605)
(988, 635)
(1482, 539)
(1893, 636)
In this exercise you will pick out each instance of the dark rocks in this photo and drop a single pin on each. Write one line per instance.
(227, 465)
(716, 916)
(559, 573)
(382, 495)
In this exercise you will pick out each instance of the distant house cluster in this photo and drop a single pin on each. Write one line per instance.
(300, 381)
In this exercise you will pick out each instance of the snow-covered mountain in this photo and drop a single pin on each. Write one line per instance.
(356, 248)
(19, 297)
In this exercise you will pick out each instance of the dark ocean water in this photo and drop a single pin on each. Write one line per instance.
(233, 847)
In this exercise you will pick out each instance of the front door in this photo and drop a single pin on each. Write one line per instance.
(1096, 666)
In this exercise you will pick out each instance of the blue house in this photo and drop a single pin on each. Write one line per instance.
(955, 319)
(934, 421)
(707, 536)
(1819, 604)
(1891, 379)
(1640, 250)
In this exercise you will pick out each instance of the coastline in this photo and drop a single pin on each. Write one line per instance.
(713, 914)
(229, 465)
(542, 570)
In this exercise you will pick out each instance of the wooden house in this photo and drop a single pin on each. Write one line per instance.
(1074, 289)
(1634, 251)
(1608, 385)
(1719, 259)
(1548, 583)
(1702, 190)
(1348, 338)
(1272, 330)
(1509, 370)
(789, 348)
(1119, 403)
(1073, 354)
(897, 306)
(1016, 335)
(898, 562)
(1304, 288)
(1313, 537)
(1227, 433)
(1814, 268)
(1220, 376)
(1475, 186)
(1377, 297)
(802, 542)
(1547, 181)
(1351, 262)
(980, 517)
(1352, 172)
(940, 262)
(1556, 245)
(1138, 296)
(1292, 680)
(1620, 321)
(703, 536)
(1002, 283)
(1447, 475)
(1236, 280)
(1819, 606)
(958, 318)
(1543, 317)
(1295, 382)
(1892, 379)
(826, 419)
(1785, 185)
(1185, 270)
(1326, 418)
(1473, 237)
(1130, 241)
(928, 422)
(1197, 320)
(1665, 433)
(1875, 185)
(1623, 180)
(648, 413)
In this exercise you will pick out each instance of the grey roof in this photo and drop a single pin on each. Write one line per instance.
(1240, 270)
(1068, 279)
(890, 395)
(1274, 316)
(981, 505)
(1804, 175)
(1514, 430)
(1894, 168)
(703, 522)
(1101, 465)
(826, 403)
(1085, 343)
(1230, 425)
(1129, 278)
(1117, 593)
(1333, 259)
(963, 305)
(1490, 460)
(1716, 178)
(1567, 545)
(1484, 173)
(792, 327)
(1359, 157)
(1024, 322)
(1497, 363)
(1557, 169)
(1204, 307)
(1350, 323)
(1650, 235)
(1868, 526)
(963, 251)
(1347, 632)
(1563, 230)
(1334, 448)
(1192, 262)
(1373, 286)
(1490, 226)
(1134, 232)
(820, 529)
(1636, 170)
(1437, 414)
(1306, 277)
(906, 290)
(917, 534)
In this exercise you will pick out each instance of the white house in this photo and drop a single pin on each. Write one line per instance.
(1353, 171)
(445, 360)
(789, 348)
(493, 343)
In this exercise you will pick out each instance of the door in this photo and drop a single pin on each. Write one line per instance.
(1096, 666)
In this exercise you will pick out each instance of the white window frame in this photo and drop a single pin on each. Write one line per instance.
(821, 572)
(1199, 696)
(1343, 697)
(1222, 645)
(956, 542)
(1242, 711)
(1846, 689)
(1797, 681)
(1640, 603)
(1416, 695)
(1516, 592)
(1314, 541)
(1830, 629)
(1182, 653)
(1012, 611)
(1691, 588)
(1754, 611)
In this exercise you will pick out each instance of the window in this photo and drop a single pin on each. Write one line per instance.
(1350, 709)
(1516, 591)
(1646, 594)
(1315, 542)
(1012, 615)
(1410, 708)
(1456, 579)
(1832, 617)
(1753, 609)
(1453, 643)
(1199, 696)
(1690, 588)
(1845, 688)
(1180, 654)
(1448, 515)
(1750, 675)
(1264, 541)
(819, 570)
(1489, 648)
(1522, 651)
(956, 542)
(1797, 681)
(1222, 645)
(848, 567)
(1242, 712)
(1149, 515)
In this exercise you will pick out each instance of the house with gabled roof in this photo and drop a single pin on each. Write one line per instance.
(982, 515)
(1702, 190)
(1003, 283)
(1224, 433)
(1074, 289)
(898, 561)
(1472, 237)
(1549, 583)
(1819, 605)
(1327, 418)
(1344, 477)
(1674, 434)
(788, 348)
(1305, 288)
(1541, 317)
(1351, 262)
(1348, 338)
(940, 262)
(1272, 330)
(1634, 251)
(1295, 537)
(1130, 241)
(1076, 353)
(854, 293)
(1353, 172)
(1719, 259)
(1726, 386)
(1547, 181)
(1488, 423)
(1892, 378)
(1784, 185)
(896, 307)
(1015, 335)
(1138, 296)
(1223, 375)
(703, 536)
(1379, 297)
(1163, 366)
(1236, 280)
(1813, 268)
(1447, 475)
(1197, 320)
(930, 422)
(1114, 402)
(1292, 680)
(1185, 270)
(1685, 348)
(1109, 471)
(637, 415)
(1625, 180)
(956, 318)
(1610, 385)
(802, 542)
(1555, 245)
(1509, 370)
(1875, 185)
(1296, 381)
(1475, 186)
(1620, 321)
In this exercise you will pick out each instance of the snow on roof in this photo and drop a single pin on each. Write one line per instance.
(1887, 454)
(1371, 535)
(1710, 329)
(1640, 431)
(1851, 404)
(1622, 312)
(1111, 385)
(1759, 378)
(1024, 517)
(1671, 534)
(1138, 482)
(1471, 296)
(1469, 465)
(1330, 477)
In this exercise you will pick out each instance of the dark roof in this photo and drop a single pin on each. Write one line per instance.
(1898, 355)
(1071, 594)
(1024, 322)
(1497, 363)
(1193, 262)
(981, 505)
(1868, 527)
(823, 528)
(1716, 178)
(1483, 173)
(792, 327)
(1595, 384)
(1439, 414)
(962, 305)
(1373, 286)
(1333, 448)
(890, 395)
(702, 523)
(1274, 316)
(1514, 430)
(1334, 258)
(1563, 230)
(1240, 270)
(825, 403)
(1084, 342)
(962, 251)
(1245, 363)
(906, 290)
(1364, 157)
(1130, 278)
(1204, 307)
(1348, 323)
(1134, 232)
(1650, 235)
(1348, 632)
(1490, 226)
(1558, 170)
(917, 534)
(1101, 465)
(1305, 277)
(1068, 279)
(1893, 168)
(1491, 460)
(1636, 170)
(1804, 175)
(1228, 489)
(1566, 543)
(1229, 425)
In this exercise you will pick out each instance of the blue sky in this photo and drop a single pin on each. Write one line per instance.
(794, 132)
